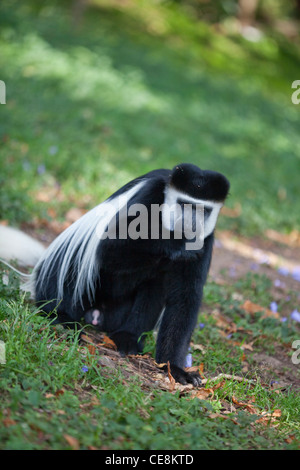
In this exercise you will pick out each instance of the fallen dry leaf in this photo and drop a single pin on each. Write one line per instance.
(108, 343)
(202, 393)
(74, 214)
(72, 441)
(198, 347)
(246, 405)
(92, 349)
(232, 213)
(171, 378)
(269, 418)
(8, 422)
(290, 439)
(252, 308)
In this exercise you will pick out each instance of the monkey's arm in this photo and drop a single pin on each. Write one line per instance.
(184, 297)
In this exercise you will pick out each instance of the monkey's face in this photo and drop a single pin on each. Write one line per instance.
(188, 217)
(193, 200)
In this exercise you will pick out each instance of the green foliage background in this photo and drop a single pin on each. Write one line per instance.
(96, 101)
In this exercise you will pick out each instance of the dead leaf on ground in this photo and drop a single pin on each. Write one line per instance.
(109, 343)
(171, 378)
(72, 441)
(270, 418)
(74, 214)
(252, 308)
(92, 349)
(232, 212)
(249, 407)
(7, 422)
(202, 393)
(198, 347)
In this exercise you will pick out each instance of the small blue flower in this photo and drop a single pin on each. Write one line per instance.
(295, 315)
(273, 307)
(283, 319)
(264, 259)
(84, 369)
(232, 272)
(53, 150)
(296, 274)
(41, 169)
(201, 326)
(283, 271)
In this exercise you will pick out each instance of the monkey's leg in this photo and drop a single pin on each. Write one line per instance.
(185, 287)
(142, 316)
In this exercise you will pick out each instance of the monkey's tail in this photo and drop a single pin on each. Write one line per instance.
(14, 269)
(20, 247)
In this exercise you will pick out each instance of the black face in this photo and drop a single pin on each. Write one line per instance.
(200, 184)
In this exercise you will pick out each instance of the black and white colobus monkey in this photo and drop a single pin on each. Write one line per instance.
(125, 285)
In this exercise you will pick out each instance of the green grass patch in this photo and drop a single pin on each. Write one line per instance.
(56, 396)
(91, 107)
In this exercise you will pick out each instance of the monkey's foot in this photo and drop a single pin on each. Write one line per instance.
(184, 377)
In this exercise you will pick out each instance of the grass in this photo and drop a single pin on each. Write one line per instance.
(55, 395)
(91, 106)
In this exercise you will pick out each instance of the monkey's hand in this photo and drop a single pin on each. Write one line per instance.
(184, 377)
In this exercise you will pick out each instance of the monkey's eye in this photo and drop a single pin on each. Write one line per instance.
(207, 212)
(189, 204)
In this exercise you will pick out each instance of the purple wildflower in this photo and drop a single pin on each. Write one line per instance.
(41, 169)
(201, 326)
(84, 369)
(273, 307)
(295, 315)
(264, 259)
(296, 274)
(274, 382)
(232, 272)
(283, 319)
(278, 283)
(53, 150)
(284, 271)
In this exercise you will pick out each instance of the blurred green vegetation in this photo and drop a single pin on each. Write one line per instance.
(99, 96)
